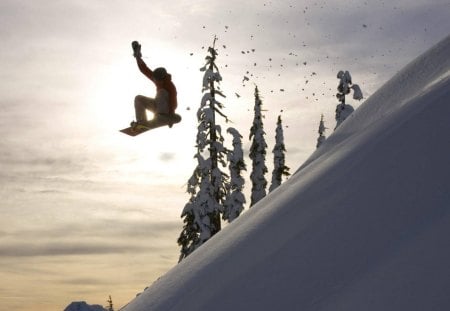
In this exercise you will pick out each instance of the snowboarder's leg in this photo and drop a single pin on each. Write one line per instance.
(141, 104)
(162, 101)
(162, 106)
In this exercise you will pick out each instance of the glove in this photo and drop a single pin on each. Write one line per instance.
(136, 49)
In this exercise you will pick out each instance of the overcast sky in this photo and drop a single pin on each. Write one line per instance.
(88, 212)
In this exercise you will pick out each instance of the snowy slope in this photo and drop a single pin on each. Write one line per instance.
(364, 224)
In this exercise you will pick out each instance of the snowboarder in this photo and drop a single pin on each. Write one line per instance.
(165, 102)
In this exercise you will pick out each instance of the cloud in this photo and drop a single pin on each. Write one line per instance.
(82, 282)
(65, 249)
(79, 248)
(116, 236)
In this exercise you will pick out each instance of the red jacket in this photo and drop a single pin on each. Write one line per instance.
(166, 84)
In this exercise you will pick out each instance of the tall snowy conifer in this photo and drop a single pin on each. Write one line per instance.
(279, 167)
(343, 110)
(321, 132)
(234, 204)
(258, 153)
(208, 184)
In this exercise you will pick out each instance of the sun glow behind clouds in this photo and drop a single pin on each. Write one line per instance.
(161, 154)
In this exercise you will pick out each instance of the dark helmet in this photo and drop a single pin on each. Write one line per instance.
(160, 73)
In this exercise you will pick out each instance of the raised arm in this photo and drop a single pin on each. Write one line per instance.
(141, 65)
(144, 69)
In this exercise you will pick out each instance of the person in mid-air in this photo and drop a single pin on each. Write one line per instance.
(165, 102)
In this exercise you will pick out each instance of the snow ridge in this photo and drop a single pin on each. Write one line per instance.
(408, 83)
(363, 225)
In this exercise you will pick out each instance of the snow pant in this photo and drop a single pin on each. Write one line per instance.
(159, 104)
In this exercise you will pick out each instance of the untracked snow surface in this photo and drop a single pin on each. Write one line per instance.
(364, 224)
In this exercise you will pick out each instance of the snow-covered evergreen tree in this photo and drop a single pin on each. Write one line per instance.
(279, 167)
(234, 204)
(110, 306)
(208, 185)
(199, 210)
(343, 110)
(258, 153)
(321, 132)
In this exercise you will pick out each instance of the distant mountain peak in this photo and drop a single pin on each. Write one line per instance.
(83, 306)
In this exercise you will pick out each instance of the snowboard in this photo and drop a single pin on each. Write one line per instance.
(158, 121)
